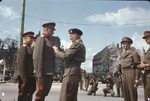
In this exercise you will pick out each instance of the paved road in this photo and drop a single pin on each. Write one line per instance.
(8, 92)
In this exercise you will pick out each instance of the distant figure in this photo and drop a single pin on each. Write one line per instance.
(109, 86)
(118, 82)
(82, 79)
(87, 81)
(94, 84)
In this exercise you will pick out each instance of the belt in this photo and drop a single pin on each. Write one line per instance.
(126, 68)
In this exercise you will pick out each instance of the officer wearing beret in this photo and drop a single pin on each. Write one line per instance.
(130, 74)
(145, 65)
(44, 61)
(27, 82)
(74, 56)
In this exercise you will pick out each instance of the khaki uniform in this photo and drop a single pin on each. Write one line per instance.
(118, 82)
(74, 56)
(94, 84)
(146, 77)
(109, 87)
(130, 74)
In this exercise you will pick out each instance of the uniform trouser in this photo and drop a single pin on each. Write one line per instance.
(93, 89)
(119, 88)
(44, 84)
(26, 88)
(146, 81)
(108, 90)
(69, 89)
(128, 80)
(81, 84)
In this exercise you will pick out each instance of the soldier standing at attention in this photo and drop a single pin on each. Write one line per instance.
(74, 56)
(130, 74)
(27, 82)
(146, 66)
(44, 61)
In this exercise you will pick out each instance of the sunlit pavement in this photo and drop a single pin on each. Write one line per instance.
(8, 92)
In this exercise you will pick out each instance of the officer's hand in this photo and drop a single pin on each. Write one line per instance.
(136, 84)
(142, 65)
(55, 49)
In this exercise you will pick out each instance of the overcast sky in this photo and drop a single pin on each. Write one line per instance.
(102, 22)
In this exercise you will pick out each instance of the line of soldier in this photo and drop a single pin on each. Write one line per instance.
(36, 64)
(128, 75)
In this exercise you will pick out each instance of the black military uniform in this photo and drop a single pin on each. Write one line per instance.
(27, 82)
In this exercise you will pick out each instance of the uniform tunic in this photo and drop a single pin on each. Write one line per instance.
(44, 62)
(146, 78)
(130, 74)
(74, 56)
(25, 66)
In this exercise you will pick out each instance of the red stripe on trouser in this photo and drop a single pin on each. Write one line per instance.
(21, 91)
(40, 89)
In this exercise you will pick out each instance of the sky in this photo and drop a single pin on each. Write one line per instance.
(102, 22)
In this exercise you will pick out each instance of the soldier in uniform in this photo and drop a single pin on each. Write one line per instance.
(146, 66)
(94, 84)
(27, 81)
(87, 81)
(118, 82)
(82, 80)
(74, 56)
(109, 86)
(44, 61)
(130, 74)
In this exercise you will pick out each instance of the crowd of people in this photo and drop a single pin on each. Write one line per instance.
(36, 64)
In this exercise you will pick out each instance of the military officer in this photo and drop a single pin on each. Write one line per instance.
(74, 56)
(27, 82)
(44, 61)
(146, 66)
(130, 74)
